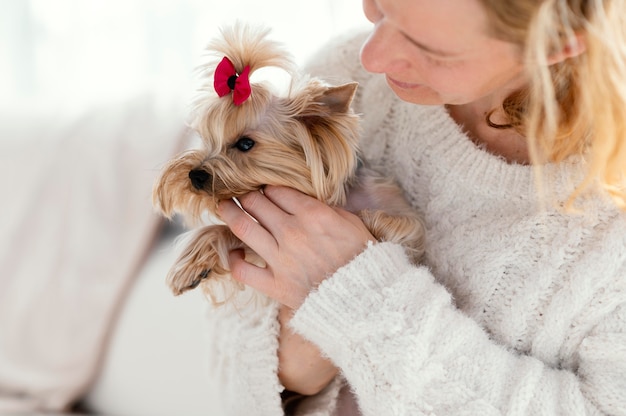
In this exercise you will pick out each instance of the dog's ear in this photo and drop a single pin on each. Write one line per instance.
(338, 99)
(330, 147)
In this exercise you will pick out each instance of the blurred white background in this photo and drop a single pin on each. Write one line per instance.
(82, 135)
(77, 52)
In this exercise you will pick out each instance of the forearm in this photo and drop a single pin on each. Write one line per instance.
(401, 340)
(301, 367)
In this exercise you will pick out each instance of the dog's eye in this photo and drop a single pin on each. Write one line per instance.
(244, 144)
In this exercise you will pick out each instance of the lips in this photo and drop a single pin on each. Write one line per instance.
(401, 84)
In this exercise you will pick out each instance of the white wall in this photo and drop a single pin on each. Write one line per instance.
(76, 52)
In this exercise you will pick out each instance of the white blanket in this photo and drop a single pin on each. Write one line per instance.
(76, 225)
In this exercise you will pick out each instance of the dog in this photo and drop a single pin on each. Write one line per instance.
(306, 138)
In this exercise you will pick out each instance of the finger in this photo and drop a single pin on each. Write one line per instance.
(247, 229)
(290, 200)
(265, 211)
(259, 278)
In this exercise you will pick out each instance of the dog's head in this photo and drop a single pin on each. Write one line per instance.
(306, 138)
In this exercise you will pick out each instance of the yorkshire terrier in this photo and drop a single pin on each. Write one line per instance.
(252, 136)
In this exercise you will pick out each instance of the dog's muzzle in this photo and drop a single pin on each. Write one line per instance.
(199, 178)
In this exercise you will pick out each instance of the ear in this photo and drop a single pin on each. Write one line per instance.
(338, 99)
(573, 48)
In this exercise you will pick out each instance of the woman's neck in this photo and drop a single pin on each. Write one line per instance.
(505, 142)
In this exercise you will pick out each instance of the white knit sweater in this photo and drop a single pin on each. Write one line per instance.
(519, 308)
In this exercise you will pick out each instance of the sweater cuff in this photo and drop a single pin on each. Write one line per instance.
(348, 301)
(243, 386)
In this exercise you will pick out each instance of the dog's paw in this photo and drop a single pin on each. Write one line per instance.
(204, 257)
(194, 284)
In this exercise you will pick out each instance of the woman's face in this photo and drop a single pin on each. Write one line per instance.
(439, 52)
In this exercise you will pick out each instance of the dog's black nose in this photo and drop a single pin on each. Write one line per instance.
(199, 178)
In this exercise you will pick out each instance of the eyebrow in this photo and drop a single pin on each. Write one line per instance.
(429, 49)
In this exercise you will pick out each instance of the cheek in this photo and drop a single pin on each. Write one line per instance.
(465, 84)
(455, 83)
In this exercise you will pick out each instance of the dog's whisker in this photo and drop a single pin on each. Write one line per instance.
(243, 209)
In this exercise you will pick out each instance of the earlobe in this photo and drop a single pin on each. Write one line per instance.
(575, 47)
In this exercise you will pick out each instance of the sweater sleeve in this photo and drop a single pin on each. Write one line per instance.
(243, 360)
(405, 349)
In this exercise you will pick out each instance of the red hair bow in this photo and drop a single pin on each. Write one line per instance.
(226, 80)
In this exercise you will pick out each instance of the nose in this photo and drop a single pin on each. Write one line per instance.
(199, 178)
(381, 53)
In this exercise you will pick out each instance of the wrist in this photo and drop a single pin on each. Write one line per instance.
(302, 368)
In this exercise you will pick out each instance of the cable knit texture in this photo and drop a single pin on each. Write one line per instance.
(519, 307)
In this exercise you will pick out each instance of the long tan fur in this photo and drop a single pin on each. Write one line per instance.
(306, 140)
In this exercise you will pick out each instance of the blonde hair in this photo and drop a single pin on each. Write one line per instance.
(576, 106)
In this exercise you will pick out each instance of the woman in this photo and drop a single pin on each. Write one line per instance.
(504, 123)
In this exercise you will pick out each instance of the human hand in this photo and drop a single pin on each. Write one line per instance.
(302, 240)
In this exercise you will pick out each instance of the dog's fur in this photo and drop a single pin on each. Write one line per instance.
(306, 140)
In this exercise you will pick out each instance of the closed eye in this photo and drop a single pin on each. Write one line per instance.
(244, 144)
(438, 61)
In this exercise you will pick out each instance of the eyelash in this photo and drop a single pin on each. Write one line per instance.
(435, 61)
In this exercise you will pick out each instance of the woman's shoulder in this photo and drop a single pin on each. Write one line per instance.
(338, 60)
